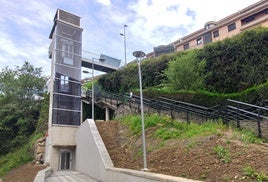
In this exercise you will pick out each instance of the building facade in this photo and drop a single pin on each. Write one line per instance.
(251, 16)
(65, 90)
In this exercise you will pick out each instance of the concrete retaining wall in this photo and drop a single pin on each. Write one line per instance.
(93, 159)
(43, 174)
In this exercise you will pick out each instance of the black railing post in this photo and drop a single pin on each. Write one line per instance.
(206, 115)
(150, 105)
(105, 97)
(187, 115)
(259, 123)
(117, 100)
(129, 102)
(226, 118)
(158, 106)
(171, 111)
(237, 118)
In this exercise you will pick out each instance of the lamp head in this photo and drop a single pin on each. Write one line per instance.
(101, 60)
(85, 71)
(138, 54)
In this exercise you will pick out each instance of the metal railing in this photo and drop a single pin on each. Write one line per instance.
(243, 115)
(159, 105)
(246, 114)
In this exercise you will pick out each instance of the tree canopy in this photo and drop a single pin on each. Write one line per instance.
(19, 106)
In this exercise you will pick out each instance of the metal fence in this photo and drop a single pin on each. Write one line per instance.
(238, 114)
(249, 116)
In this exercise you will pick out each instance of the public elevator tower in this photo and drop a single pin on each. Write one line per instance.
(65, 90)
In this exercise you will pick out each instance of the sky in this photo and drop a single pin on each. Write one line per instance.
(25, 26)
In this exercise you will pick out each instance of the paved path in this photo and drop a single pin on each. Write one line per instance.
(69, 176)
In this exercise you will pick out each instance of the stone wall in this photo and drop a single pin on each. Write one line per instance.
(39, 151)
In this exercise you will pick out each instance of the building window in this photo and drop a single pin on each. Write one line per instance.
(186, 46)
(64, 84)
(67, 51)
(199, 41)
(216, 34)
(231, 27)
(247, 20)
(254, 17)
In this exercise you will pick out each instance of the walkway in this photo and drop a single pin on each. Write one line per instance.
(69, 176)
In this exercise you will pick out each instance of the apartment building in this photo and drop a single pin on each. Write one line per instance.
(251, 16)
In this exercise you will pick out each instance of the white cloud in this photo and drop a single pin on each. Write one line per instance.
(160, 22)
(104, 2)
(8, 46)
(24, 33)
(25, 26)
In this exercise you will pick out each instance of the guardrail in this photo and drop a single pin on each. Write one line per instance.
(159, 105)
(231, 111)
(243, 112)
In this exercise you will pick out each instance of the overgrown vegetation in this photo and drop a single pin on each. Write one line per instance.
(21, 155)
(126, 79)
(194, 136)
(19, 103)
(237, 63)
(185, 72)
(167, 128)
(20, 110)
(253, 174)
(223, 153)
(233, 68)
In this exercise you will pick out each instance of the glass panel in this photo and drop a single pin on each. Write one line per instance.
(70, 71)
(65, 159)
(186, 46)
(67, 85)
(69, 31)
(64, 84)
(216, 33)
(68, 157)
(199, 41)
(66, 117)
(68, 61)
(231, 27)
(66, 102)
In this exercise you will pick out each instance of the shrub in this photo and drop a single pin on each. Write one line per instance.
(185, 72)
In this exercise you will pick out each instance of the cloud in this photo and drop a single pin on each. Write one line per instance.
(104, 2)
(25, 26)
(158, 22)
(24, 33)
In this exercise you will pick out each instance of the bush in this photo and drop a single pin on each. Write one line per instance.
(185, 72)
(236, 63)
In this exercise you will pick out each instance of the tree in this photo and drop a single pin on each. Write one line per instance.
(19, 110)
(185, 72)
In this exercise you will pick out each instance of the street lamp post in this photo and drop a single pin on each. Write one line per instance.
(125, 43)
(92, 86)
(139, 55)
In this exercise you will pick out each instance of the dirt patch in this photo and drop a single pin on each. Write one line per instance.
(195, 159)
(211, 158)
(24, 173)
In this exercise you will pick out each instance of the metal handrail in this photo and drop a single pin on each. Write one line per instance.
(231, 110)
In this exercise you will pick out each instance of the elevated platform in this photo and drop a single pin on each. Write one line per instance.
(99, 66)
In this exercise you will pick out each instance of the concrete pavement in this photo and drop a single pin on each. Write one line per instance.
(69, 176)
